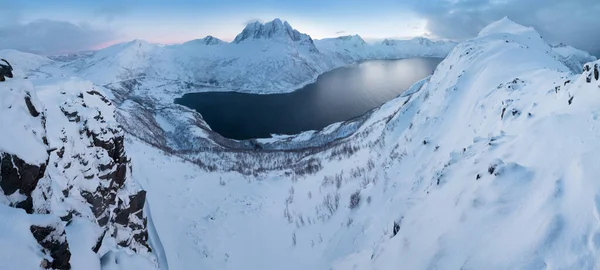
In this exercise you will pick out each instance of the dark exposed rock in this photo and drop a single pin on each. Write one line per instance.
(32, 110)
(18, 175)
(53, 240)
(68, 217)
(136, 203)
(26, 205)
(96, 93)
(96, 247)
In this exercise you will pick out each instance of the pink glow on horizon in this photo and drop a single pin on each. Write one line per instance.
(166, 41)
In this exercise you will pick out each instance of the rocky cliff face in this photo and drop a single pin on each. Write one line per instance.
(275, 30)
(66, 158)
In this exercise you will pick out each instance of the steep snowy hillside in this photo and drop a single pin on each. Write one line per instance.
(116, 63)
(67, 176)
(487, 164)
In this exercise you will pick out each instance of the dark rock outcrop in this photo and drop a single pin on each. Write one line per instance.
(97, 155)
(16, 174)
(53, 240)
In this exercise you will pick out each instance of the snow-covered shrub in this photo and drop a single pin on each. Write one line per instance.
(331, 202)
(355, 199)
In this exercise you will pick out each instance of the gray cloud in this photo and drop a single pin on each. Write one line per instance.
(51, 37)
(112, 12)
(247, 22)
(340, 32)
(573, 22)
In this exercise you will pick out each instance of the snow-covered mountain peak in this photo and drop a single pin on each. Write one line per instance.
(423, 41)
(210, 40)
(134, 46)
(353, 38)
(275, 30)
(507, 26)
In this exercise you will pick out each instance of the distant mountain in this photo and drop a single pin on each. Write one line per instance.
(208, 40)
(273, 30)
(354, 48)
(68, 57)
(573, 58)
(418, 46)
(116, 63)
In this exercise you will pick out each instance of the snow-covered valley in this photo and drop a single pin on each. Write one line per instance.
(486, 164)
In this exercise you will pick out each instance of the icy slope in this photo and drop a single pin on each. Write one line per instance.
(488, 164)
(62, 161)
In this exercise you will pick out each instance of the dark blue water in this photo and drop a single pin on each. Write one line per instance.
(337, 95)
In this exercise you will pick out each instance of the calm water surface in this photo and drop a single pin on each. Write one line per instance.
(337, 95)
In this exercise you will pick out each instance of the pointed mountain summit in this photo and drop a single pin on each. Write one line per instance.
(274, 30)
(210, 40)
(354, 39)
(505, 25)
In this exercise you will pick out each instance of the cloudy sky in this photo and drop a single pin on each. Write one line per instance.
(58, 26)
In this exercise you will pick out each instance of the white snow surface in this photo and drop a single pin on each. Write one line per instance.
(19, 125)
(490, 163)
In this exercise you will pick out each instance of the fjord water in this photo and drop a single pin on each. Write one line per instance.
(337, 95)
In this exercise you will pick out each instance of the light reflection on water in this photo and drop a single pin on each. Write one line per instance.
(338, 95)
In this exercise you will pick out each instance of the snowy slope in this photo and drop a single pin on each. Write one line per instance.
(119, 62)
(487, 164)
